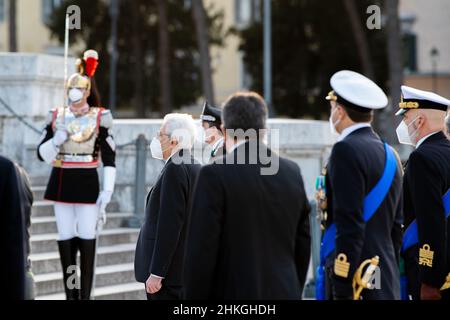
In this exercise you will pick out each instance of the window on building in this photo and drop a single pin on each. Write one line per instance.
(247, 11)
(409, 42)
(410, 52)
(48, 6)
(2, 10)
(245, 79)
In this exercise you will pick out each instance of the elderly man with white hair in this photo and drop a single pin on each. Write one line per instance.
(426, 193)
(161, 244)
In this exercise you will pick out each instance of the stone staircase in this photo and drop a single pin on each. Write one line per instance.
(115, 274)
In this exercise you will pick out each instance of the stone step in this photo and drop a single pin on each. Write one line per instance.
(47, 242)
(106, 275)
(38, 192)
(44, 208)
(40, 225)
(116, 254)
(128, 291)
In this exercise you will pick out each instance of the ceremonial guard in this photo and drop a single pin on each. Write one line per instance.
(426, 242)
(211, 123)
(359, 194)
(75, 139)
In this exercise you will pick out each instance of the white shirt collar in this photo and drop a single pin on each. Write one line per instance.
(351, 129)
(167, 160)
(177, 151)
(425, 138)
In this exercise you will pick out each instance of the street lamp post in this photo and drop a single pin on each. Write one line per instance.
(268, 55)
(114, 13)
(434, 54)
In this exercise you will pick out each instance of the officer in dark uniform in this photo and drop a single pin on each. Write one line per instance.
(211, 122)
(426, 242)
(361, 203)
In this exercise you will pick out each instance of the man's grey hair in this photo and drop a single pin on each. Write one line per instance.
(181, 127)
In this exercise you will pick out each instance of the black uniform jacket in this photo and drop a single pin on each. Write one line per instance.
(355, 166)
(427, 179)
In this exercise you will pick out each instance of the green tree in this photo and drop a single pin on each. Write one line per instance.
(311, 41)
(138, 49)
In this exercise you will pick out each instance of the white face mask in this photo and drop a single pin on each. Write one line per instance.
(333, 124)
(156, 149)
(75, 95)
(403, 135)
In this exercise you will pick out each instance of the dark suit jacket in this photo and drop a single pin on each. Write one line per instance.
(427, 179)
(161, 243)
(249, 233)
(356, 164)
(12, 233)
(27, 203)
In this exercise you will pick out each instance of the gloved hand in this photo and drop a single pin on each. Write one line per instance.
(103, 199)
(60, 135)
(109, 179)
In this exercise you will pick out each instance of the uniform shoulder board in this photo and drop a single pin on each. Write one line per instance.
(106, 119)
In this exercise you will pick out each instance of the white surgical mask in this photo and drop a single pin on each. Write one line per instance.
(156, 149)
(75, 95)
(333, 124)
(403, 135)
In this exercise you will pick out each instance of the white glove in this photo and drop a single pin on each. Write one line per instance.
(109, 180)
(60, 136)
(102, 201)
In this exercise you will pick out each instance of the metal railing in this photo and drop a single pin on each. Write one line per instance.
(135, 221)
(20, 118)
(309, 291)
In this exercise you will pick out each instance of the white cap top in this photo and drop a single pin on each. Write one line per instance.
(358, 90)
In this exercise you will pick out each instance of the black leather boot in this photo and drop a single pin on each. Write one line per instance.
(87, 259)
(68, 254)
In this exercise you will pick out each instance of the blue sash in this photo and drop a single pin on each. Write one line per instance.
(411, 238)
(372, 202)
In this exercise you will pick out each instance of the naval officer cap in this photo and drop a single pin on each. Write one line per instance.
(356, 91)
(211, 114)
(419, 99)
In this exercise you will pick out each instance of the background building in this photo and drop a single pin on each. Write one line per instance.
(425, 27)
(32, 33)
(426, 31)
